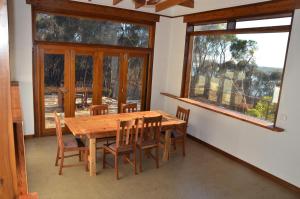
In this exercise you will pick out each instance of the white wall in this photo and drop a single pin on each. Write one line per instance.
(160, 62)
(276, 153)
(21, 50)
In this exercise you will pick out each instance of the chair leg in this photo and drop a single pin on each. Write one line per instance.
(134, 161)
(57, 157)
(157, 156)
(116, 166)
(61, 162)
(80, 156)
(174, 146)
(141, 157)
(103, 158)
(86, 161)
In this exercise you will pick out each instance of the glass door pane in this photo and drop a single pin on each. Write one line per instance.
(110, 82)
(135, 74)
(54, 89)
(83, 84)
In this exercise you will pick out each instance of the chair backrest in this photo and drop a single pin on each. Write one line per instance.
(151, 129)
(129, 108)
(126, 132)
(99, 109)
(59, 134)
(183, 114)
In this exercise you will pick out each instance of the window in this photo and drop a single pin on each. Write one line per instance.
(57, 28)
(239, 69)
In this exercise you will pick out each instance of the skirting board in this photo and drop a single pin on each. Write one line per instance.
(29, 136)
(250, 166)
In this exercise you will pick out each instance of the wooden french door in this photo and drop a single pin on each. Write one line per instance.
(54, 65)
(72, 79)
(135, 79)
(84, 84)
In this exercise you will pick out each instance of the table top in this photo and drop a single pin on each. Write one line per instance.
(106, 125)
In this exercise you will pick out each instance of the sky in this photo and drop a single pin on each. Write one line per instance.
(271, 46)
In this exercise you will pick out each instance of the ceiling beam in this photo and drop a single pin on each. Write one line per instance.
(267, 8)
(93, 11)
(115, 2)
(167, 4)
(139, 3)
(188, 3)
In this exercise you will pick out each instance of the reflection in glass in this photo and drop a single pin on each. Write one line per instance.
(53, 88)
(83, 84)
(134, 80)
(111, 76)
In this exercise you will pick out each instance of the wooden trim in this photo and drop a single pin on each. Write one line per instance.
(271, 29)
(244, 11)
(150, 70)
(100, 46)
(29, 137)
(227, 112)
(93, 10)
(8, 173)
(186, 76)
(248, 165)
(283, 71)
(170, 3)
(186, 61)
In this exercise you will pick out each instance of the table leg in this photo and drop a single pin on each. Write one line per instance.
(92, 157)
(167, 145)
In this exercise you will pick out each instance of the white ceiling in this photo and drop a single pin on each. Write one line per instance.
(200, 6)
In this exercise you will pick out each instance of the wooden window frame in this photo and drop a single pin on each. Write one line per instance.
(139, 18)
(188, 60)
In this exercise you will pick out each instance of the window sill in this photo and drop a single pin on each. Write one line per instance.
(242, 117)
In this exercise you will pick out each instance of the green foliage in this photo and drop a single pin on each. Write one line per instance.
(264, 109)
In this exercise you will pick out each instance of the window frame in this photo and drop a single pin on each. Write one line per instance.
(187, 65)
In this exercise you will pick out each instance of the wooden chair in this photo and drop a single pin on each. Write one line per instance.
(72, 145)
(124, 145)
(179, 134)
(99, 109)
(149, 138)
(129, 108)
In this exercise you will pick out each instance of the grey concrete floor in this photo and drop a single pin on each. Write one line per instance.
(203, 173)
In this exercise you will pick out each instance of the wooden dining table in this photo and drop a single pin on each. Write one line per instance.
(101, 126)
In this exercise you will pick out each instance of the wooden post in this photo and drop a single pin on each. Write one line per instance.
(8, 175)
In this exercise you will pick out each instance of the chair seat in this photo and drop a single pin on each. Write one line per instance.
(122, 149)
(74, 143)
